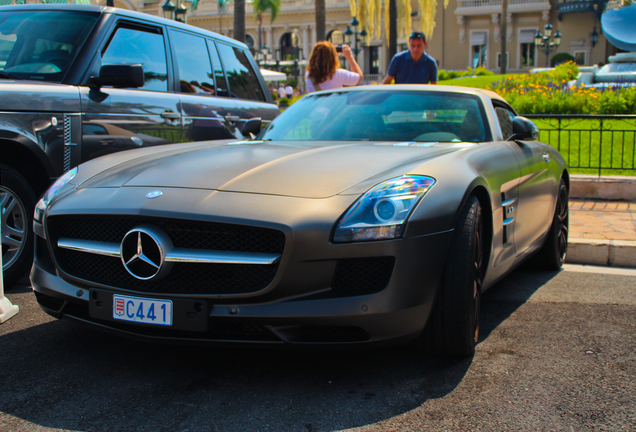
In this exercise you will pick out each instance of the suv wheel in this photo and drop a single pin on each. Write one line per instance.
(17, 202)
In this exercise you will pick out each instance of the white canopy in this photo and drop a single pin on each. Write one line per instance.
(270, 75)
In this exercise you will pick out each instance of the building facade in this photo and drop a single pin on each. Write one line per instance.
(468, 33)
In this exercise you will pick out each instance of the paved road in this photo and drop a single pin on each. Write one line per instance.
(558, 352)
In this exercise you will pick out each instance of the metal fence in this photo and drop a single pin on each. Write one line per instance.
(592, 144)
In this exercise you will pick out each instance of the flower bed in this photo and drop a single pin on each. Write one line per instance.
(550, 93)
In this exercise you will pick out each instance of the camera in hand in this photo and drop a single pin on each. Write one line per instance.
(339, 48)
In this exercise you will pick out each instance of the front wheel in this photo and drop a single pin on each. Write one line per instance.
(453, 327)
(17, 201)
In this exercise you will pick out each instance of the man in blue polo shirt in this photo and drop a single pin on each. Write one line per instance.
(413, 66)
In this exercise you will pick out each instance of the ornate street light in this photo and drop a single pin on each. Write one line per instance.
(168, 9)
(180, 13)
(351, 37)
(545, 44)
(594, 37)
(263, 56)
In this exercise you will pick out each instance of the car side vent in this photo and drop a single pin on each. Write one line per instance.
(67, 143)
(363, 275)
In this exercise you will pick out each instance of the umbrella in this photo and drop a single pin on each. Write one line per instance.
(270, 75)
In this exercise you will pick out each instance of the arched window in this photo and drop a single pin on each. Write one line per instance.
(290, 46)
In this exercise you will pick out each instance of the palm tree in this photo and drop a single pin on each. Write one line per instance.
(239, 20)
(261, 7)
(321, 20)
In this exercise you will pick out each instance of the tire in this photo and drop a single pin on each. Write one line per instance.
(17, 202)
(553, 253)
(453, 327)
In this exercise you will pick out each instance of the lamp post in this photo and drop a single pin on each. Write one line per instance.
(545, 44)
(168, 9)
(594, 37)
(180, 12)
(263, 56)
(351, 37)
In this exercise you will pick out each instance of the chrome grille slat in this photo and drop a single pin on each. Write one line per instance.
(174, 255)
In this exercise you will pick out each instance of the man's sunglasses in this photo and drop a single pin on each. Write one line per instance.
(417, 35)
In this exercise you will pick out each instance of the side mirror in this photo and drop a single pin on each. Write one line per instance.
(252, 127)
(523, 130)
(120, 75)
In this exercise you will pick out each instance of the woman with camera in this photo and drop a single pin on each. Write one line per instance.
(324, 72)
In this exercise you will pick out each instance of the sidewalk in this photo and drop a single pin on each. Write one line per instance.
(602, 232)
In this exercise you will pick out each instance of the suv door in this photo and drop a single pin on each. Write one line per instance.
(116, 119)
(207, 112)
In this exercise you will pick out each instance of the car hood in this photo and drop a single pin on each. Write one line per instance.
(297, 169)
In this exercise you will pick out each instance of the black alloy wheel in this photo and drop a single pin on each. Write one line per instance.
(453, 327)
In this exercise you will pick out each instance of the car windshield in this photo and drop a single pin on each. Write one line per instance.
(384, 115)
(41, 45)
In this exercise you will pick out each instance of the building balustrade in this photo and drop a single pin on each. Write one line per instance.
(485, 7)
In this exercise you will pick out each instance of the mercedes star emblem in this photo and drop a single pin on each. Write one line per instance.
(143, 251)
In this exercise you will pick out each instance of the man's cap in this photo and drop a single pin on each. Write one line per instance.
(418, 35)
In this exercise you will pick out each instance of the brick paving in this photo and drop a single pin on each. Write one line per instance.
(602, 219)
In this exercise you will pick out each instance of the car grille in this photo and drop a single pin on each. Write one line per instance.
(184, 278)
(363, 275)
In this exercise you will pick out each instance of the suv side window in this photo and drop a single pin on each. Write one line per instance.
(144, 47)
(505, 118)
(243, 81)
(195, 71)
(221, 84)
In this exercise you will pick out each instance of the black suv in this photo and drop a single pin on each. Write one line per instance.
(78, 82)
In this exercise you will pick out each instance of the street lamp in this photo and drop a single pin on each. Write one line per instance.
(545, 44)
(180, 13)
(168, 9)
(263, 56)
(351, 37)
(594, 37)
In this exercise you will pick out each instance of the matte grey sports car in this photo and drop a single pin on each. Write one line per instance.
(369, 215)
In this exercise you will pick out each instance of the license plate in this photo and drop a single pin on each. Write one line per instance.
(142, 310)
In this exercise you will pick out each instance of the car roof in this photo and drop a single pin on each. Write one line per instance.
(124, 13)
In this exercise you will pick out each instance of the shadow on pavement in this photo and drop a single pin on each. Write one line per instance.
(63, 375)
(510, 293)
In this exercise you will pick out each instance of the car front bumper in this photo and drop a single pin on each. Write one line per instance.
(300, 307)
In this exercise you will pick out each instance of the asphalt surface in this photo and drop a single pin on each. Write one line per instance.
(557, 352)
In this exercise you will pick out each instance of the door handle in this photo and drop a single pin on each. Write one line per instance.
(170, 115)
(232, 118)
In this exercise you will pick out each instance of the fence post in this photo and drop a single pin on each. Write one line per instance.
(559, 135)
(600, 149)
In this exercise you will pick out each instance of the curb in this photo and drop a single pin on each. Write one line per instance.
(605, 188)
(614, 253)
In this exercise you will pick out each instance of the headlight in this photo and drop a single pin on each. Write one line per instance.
(381, 213)
(43, 204)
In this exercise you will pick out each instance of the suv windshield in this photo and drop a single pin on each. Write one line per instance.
(41, 45)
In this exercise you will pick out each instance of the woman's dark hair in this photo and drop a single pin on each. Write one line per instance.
(323, 62)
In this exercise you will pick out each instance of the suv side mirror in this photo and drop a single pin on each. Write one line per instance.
(120, 75)
(523, 130)
(252, 127)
